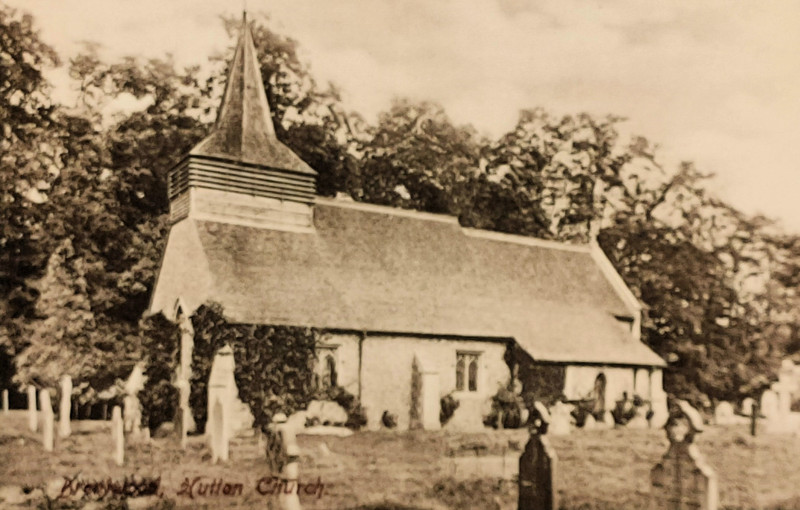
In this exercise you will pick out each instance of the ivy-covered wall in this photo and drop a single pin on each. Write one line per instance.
(274, 365)
(159, 397)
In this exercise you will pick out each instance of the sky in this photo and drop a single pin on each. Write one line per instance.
(714, 82)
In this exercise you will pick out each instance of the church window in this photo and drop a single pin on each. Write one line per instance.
(329, 375)
(466, 371)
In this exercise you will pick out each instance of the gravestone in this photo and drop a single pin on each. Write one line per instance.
(5, 401)
(769, 404)
(723, 414)
(425, 403)
(64, 407)
(560, 419)
(589, 423)
(47, 419)
(537, 466)
(639, 420)
(217, 431)
(288, 499)
(118, 435)
(747, 406)
(682, 479)
(33, 419)
(132, 408)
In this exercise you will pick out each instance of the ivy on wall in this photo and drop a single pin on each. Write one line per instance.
(274, 365)
(159, 397)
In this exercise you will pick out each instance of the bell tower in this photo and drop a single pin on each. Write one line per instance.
(241, 173)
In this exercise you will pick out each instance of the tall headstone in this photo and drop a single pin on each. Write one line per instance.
(47, 419)
(537, 465)
(218, 432)
(132, 409)
(5, 401)
(682, 479)
(33, 419)
(64, 407)
(288, 499)
(118, 435)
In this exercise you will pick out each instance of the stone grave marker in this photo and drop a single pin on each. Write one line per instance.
(118, 435)
(47, 419)
(682, 479)
(723, 414)
(747, 406)
(560, 419)
(288, 499)
(639, 420)
(537, 466)
(218, 433)
(769, 404)
(33, 419)
(64, 407)
(5, 401)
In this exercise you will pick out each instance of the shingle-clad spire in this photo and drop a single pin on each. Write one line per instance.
(243, 131)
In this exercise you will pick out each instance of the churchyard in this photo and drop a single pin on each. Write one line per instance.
(597, 469)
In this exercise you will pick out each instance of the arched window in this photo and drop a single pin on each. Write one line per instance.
(460, 373)
(330, 371)
(467, 371)
(473, 374)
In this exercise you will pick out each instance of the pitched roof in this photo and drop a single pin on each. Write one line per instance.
(243, 131)
(384, 270)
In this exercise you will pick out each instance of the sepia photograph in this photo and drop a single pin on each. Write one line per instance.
(399, 254)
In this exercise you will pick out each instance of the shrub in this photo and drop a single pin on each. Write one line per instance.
(356, 415)
(448, 404)
(506, 410)
(389, 420)
(159, 397)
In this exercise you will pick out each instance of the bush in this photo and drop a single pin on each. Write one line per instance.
(356, 415)
(159, 397)
(448, 404)
(389, 420)
(509, 406)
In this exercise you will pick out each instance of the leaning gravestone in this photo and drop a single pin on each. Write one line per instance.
(682, 479)
(537, 466)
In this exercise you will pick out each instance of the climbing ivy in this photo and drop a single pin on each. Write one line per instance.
(274, 365)
(159, 398)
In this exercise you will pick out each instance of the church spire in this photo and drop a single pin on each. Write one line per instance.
(241, 173)
(243, 131)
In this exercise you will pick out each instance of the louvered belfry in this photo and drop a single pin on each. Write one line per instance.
(241, 172)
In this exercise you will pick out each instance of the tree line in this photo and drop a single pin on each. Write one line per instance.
(83, 219)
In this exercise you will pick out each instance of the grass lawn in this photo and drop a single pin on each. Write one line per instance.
(394, 470)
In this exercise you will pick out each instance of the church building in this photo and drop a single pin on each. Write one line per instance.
(398, 294)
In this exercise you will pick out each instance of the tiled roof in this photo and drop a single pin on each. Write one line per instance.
(378, 269)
